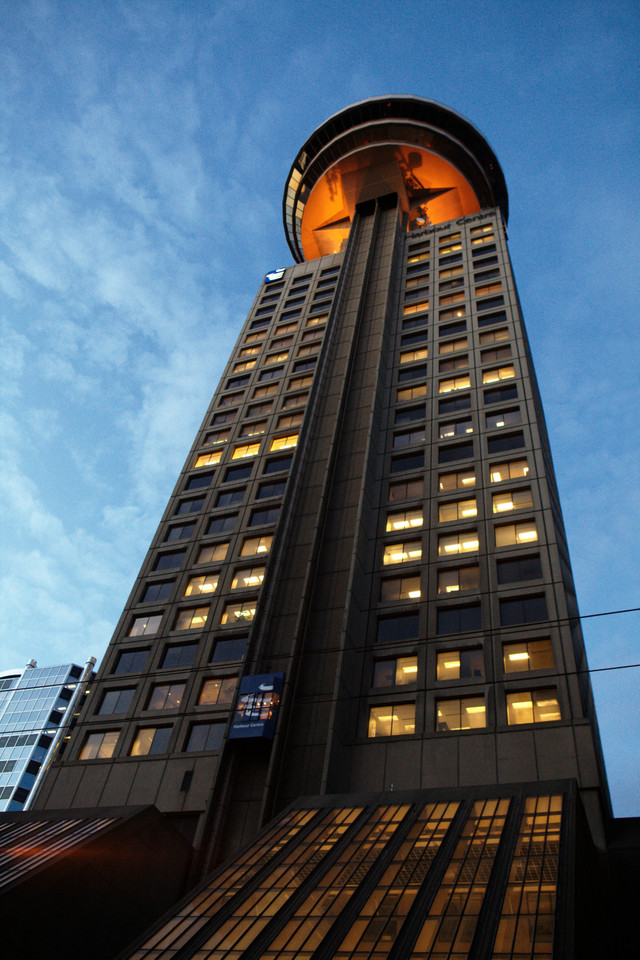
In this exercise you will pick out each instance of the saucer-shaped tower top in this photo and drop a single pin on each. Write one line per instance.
(437, 163)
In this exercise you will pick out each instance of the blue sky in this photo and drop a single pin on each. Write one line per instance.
(142, 161)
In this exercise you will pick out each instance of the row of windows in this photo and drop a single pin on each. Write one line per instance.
(153, 740)
(178, 656)
(216, 691)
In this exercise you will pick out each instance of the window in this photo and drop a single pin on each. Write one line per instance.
(271, 489)
(405, 489)
(286, 328)
(512, 500)
(253, 430)
(181, 531)
(166, 696)
(230, 497)
(409, 414)
(131, 661)
(283, 443)
(458, 428)
(412, 373)
(500, 394)
(245, 450)
(272, 374)
(488, 288)
(515, 534)
(490, 318)
(292, 420)
(258, 409)
(229, 399)
(144, 626)
(179, 655)
(237, 613)
(451, 314)
(490, 248)
(156, 592)
(533, 706)
(205, 736)
(518, 569)
(418, 337)
(320, 318)
(241, 472)
(311, 335)
(255, 545)
(456, 363)
(510, 441)
(498, 373)
(192, 619)
(206, 459)
(408, 356)
(494, 336)
(409, 461)
(449, 329)
(396, 672)
(510, 470)
(409, 437)
(527, 656)
(404, 520)
(150, 740)
(519, 610)
(410, 322)
(455, 451)
(236, 382)
(395, 629)
(243, 365)
(225, 417)
(459, 619)
(213, 554)
(411, 393)
(218, 692)
(456, 481)
(415, 307)
(249, 577)
(453, 543)
(266, 390)
(452, 346)
(503, 418)
(199, 481)
(457, 510)
(198, 586)
(485, 275)
(455, 579)
(402, 552)
(267, 515)
(277, 466)
(222, 524)
(463, 713)
(301, 365)
(456, 383)
(400, 588)
(260, 334)
(249, 351)
(99, 746)
(229, 651)
(460, 665)
(394, 720)
(299, 383)
(190, 506)
(276, 357)
(307, 349)
(295, 401)
(453, 404)
(451, 298)
(451, 284)
(484, 228)
(116, 701)
(218, 436)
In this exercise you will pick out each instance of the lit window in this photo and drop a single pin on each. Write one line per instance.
(205, 736)
(452, 346)
(408, 356)
(458, 510)
(418, 257)
(503, 418)
(237, 613)
(494, 336)
(420, 280)
(411, 393)
(256, 545)
(282, 443)
(205, 459)
(299, 383)
(415, 307)
(451, 544)
(488, 288)
(400, 588)
(450, 249)
(402, 552)
(116, 701)
(404, 520)
(533, 706)
(463, 713)
(293, 420)
(249, 577)
(193, 619)
(249, 351)
(265, 391)
(150, 740)
(459, 428)
(449, 272)
(99, 746)
(511, 470)
(455, 383)
(312, 321)
(286, 328)
(166, 696)
(477, 241)
(392, 721)
(527, 656)
(405, 489)
(513, 500)
(484, 228)
(515, 534)
(143, 626)
(307, 349)
(254, 337)
(456, 481)
(276, 357)
(244, 365)
(202, 585)
(456, 579)
(218, 692)
(396, 672)
(252, 430)
(245, 450)
(213, 554)
(498, 373)
(460, 665)
(220, 436)
(451, 298)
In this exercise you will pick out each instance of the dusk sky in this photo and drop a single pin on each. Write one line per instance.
(144, 148)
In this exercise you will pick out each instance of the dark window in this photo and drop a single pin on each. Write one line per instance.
(222, 524)
(497, 395)
(166, 696)
(189, 506)
(179, 655)
(499, 317)
(158, 591)
(453, 404)
(412, 373)
(205, 736)
(116, 701)
(523, 610)
(180, 532)
(410, 413)
(229, 650)
(272, 374)
(271, 489)
(522, 568)
(410, 338)
(169, 561)
(409, 461)
(503, 418)
(484, 263)
(456, 451)
(131, 661)
(409, 322)
(405, 489)
(150, 740)
(264, 310)
(510, 441)
(417, 435)
(229, 497)
(459, 619)
(261, 323)
(394, 629)
(240, 472)
(275, 466)
(269, 515)
(447, 330)
(485, 248)
(237, 382)
(199, 480)
(491, 303)
(305, 365)
(454, 258)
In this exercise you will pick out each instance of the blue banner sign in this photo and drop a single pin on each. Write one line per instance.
(257, 706)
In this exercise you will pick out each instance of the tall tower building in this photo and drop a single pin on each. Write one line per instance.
(361, 584)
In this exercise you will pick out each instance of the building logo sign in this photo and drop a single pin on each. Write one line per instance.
(275, 275)
(257, 706)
